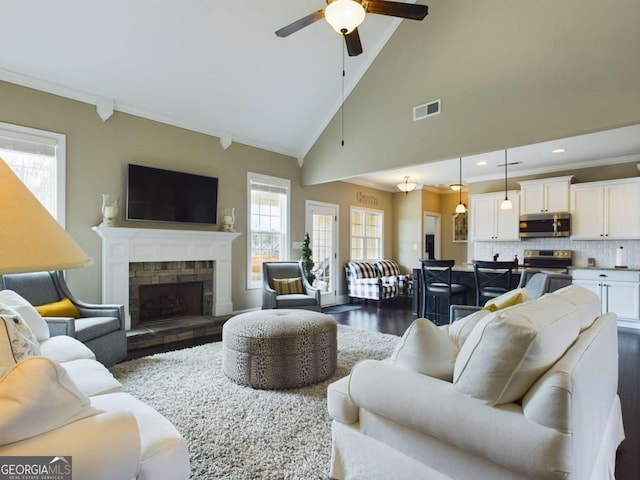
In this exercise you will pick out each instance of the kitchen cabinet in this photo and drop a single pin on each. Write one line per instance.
(619, 290)
(542, 196)
(489, 222)
(606, 210)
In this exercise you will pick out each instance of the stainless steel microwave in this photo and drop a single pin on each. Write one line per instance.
(545, 225)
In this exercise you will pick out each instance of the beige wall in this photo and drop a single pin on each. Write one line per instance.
(408, 239)
(450, 250)
(98, 153)
(508, 74)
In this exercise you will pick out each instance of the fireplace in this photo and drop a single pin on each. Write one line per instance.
(122, 246)
(161, 290)
(170, 300)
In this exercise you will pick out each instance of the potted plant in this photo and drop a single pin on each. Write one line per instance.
(307, 262)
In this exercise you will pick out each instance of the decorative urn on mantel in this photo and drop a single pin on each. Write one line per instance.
(122, 246)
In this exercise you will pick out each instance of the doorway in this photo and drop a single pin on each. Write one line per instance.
(322, 225)
(432, 239)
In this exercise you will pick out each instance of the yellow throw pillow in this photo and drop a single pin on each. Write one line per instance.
(509, 299)
(288, 286)
(61, 308)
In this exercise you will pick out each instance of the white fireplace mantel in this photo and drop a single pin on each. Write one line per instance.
(121, 246)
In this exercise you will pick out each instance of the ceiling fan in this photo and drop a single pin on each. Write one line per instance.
(345, 16)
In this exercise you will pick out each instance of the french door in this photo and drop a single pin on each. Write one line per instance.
(322, 225)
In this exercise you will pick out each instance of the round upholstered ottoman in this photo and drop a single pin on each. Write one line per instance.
(280, 348)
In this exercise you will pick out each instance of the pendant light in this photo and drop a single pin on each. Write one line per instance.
(406, 186)
(506, 203)
(460, 208)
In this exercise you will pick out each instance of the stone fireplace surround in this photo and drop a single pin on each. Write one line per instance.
(122, 246)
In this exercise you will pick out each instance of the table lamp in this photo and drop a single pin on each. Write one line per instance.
(32, 240)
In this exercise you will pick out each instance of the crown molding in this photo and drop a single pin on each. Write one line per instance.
(93, 99)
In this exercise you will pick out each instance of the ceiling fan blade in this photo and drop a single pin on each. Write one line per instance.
(301, 23)
(396, 9)
(354, 46)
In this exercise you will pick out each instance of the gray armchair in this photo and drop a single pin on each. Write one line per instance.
(100, 327)
(309, 300)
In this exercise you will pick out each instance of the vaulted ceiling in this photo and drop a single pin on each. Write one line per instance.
(218, 68)
(206, 65)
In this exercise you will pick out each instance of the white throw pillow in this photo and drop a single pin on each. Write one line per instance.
(37, 396)
(426, 349)
(507, 352)
(17, 341)
(27, 311)
(460, 330)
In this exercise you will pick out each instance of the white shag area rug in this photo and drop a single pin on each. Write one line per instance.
(236, 432)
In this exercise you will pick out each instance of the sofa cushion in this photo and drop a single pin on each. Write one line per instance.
(37, 396)
(61, 308)
(586, 301)
(288, 286)
(18, 341)
(509, 350)
(94, 327)
(426, 349)
(164, 452)
(29, 314)
(363, 270)
(91, 377)
(65, 349)
(387, 268)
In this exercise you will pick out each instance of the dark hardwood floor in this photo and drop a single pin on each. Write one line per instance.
(395, 318)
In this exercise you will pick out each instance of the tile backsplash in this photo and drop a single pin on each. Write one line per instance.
(603, 251)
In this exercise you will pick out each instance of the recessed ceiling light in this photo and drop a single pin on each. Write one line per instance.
(558, 150)
(481, 163)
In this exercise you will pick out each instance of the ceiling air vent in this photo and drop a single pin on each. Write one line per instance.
(426, 110)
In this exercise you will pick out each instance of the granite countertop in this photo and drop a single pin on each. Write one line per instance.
(584, 267)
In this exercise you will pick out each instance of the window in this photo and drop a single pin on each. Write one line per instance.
(366, 234)
(268, 223)
(38, 159)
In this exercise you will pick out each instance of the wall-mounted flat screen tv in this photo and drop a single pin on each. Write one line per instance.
(167, 196)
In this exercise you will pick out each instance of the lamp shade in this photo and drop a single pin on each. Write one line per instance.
(344, 15)
(31, 239)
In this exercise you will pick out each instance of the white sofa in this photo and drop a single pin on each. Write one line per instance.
(525, 392)
(57, 400)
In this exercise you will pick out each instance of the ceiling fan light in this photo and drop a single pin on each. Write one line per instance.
(344, 15)
(406, 186)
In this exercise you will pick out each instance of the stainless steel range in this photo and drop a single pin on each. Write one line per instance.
(547, 258)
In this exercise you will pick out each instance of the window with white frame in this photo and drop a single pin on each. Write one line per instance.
(38, 158)
(366, 234)
(268, 214)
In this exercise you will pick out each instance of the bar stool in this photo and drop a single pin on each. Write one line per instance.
(492, 279)
(436, 282)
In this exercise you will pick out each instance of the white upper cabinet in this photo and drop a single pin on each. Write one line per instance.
(547, 195)
(606, 210)
(489, 222)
